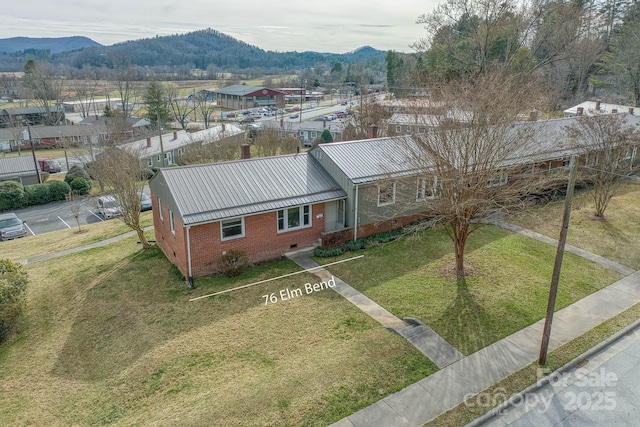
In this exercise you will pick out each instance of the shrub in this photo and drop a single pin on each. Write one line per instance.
(58, 190)
(146, 174)
(233, 263)
(13, 283)
(36, 194)
(80, 185)
(77, 171)
(11, 195)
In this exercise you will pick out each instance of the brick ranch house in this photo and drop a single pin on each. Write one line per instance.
(263, 206)
(334, 193)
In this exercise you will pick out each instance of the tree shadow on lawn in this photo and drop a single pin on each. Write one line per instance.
(407, 255)
(137, 306)
(465, 322)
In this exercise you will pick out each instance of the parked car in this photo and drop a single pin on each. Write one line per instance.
(145, 202)
(247, 120)
(49, 165)
(108, 207)
(294, 116)
(11, 227)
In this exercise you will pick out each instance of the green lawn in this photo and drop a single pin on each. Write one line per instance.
(507, 289)
(616, 238)
(111, 338)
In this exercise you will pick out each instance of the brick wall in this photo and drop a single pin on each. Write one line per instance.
(174, 245)
(261, 242)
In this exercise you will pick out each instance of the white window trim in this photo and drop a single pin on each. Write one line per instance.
(149, 162)
(393, 195)
(224, 239)
(160, 209)
(171, 223)
(421, 189)
(158, 158)
(498, 181)
(286, 219)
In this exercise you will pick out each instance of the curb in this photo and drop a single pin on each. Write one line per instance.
(518, 397)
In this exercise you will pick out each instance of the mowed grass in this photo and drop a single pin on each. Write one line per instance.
(616, 238)
(33, 246)
(507, 287)
(110, 337)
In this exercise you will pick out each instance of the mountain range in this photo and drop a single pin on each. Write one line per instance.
(200, 49)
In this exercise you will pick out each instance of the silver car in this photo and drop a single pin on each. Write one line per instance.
(11, 227)
(108, 207)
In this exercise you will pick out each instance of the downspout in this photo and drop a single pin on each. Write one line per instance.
(355, 217)
(190, 274)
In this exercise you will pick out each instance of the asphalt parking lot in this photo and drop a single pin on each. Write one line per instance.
(58, 216)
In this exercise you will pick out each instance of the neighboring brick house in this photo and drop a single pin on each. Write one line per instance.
(151, 149)
(263, 206)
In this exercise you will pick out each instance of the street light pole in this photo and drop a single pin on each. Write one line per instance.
(555, 278)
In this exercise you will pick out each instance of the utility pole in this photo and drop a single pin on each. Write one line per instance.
(162, 159)
(555, 278)
(26, 135)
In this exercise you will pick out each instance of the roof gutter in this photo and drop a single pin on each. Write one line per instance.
(355, 216)
(190, 273)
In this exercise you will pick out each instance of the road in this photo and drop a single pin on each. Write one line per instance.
(604, 392)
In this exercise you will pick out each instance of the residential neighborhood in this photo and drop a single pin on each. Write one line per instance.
(282, 223)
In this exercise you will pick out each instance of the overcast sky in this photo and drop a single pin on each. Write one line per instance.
(317, 25)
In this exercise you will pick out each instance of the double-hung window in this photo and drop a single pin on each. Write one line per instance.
(294, 218)
(426, 188)
(386, 193)
(232, 228)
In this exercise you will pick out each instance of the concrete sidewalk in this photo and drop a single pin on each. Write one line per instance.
(417, 333)
(82, 248)
(426, 399)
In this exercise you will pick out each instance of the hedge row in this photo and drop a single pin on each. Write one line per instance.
(14, 195)
(354, 245)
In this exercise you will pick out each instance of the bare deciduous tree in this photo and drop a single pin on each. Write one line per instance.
(179, 106)
(467, 150)
(120, 171)
(612, 144)
(268, 142)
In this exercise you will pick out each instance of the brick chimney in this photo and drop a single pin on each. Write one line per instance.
(175, 135)
(245, 151)
(324, 123)
(631, 110)
(614, 111)
(148, 142)
(598, 105)
(373, 132)
(580, 111)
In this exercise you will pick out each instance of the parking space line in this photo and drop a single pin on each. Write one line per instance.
(97, 216)
(30, 230)
(68, 226)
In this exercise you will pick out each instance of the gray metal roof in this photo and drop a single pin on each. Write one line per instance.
(392, 157)
(205, 193)
(13, 167)
(372, 159)
(238, 90)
